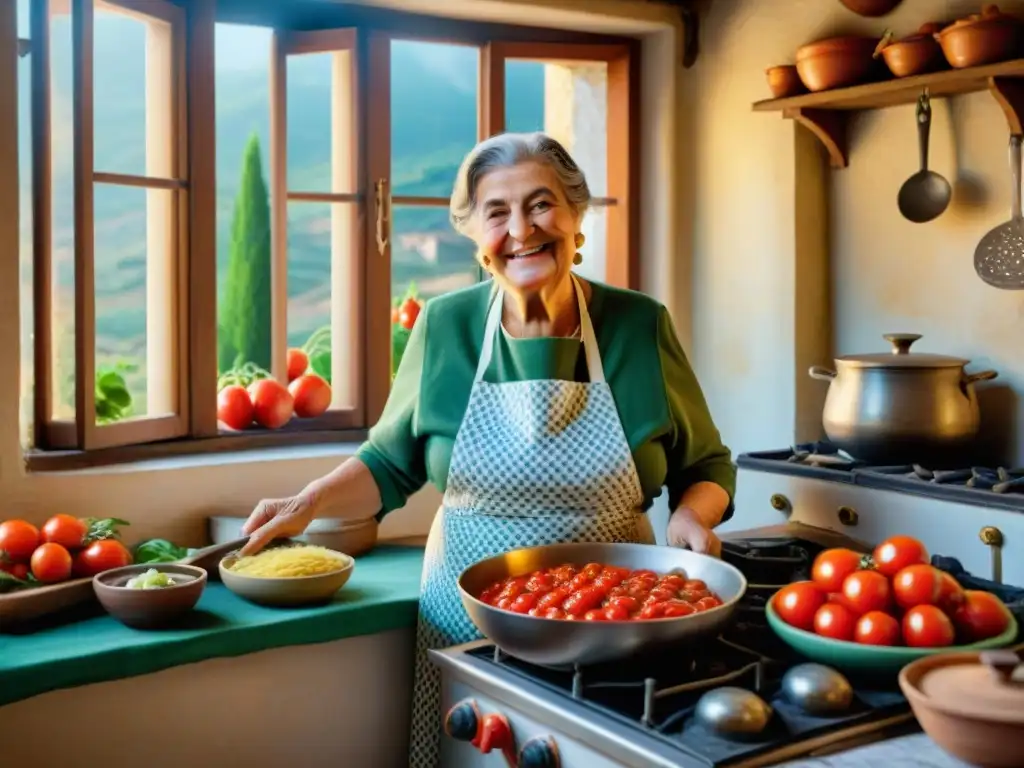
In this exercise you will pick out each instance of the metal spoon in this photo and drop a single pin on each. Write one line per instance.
(925, 195)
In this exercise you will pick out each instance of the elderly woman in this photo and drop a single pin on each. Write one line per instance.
(546, 407)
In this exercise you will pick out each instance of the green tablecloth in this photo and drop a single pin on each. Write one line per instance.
(381, 595)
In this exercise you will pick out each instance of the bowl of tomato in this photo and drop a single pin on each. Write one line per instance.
(879, 612)
(565, 604)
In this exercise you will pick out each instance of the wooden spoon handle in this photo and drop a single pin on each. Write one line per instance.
(208, 558)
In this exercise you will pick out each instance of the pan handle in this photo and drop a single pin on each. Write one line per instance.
(820, 373)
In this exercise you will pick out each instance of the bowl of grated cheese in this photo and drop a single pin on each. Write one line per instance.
(287, 574)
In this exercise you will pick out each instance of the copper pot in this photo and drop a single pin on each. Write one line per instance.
(982, 38)
(837, 62)
(914, 55)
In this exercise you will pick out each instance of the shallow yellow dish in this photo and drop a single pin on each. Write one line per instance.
(287, 591)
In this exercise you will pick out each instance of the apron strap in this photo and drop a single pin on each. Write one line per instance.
(595, 370)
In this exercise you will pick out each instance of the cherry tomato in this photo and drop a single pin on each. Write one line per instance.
(101, 556)
(583, 600)
(18, 540)
(866, 591)
(490, 594)
(408, 313)
(652, 611)
(673, 582)
(835, 621)
(982, 615)
(877, 628)
(616, 613)
(554, 598)
(695, 585)
(951, 594)
(707, 603)
(626, 602)
(524, 602)
(592, 570)
(554, 613)
(234, 407)
(505, 603)
(676, 608)
(66, 530)
(272, 403)
(17, 570)
(797, 603)
(896, 553)
(916, 585)
(514, 587)
(661, 594)
(51, 563)
(311, 396)
(540, 582)
(394, 314)
(298, 363)
(595, 614)
(926, 626)
(564, 573)
(832, 567)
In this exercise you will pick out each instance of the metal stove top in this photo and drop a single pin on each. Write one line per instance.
(650, 701)
(984, 486)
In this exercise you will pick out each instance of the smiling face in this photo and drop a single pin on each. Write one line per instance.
(526, 227)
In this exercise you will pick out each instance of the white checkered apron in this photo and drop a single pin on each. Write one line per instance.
(534, 462)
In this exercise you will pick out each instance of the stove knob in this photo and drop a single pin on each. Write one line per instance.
(539, 752)
(495, 733)
(463, 721)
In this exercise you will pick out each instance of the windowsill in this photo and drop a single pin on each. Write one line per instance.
(382, 595)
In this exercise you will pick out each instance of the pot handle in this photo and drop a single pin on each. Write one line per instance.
(980, 376)
(821, 374)
(901, 342)
(1002, 664)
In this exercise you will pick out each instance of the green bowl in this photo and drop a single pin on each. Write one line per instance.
(869, 659)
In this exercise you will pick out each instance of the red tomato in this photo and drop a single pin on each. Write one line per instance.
(17, 570)
(661, 594)
(394, 314)
(66, 530)
(626, 602)
(675, 608)
(408, 313)
(866, 591)
(896, 553)
(272, 403)
(835, 621)
(926, 626)
(311, 395)
(916, 585)
(592, 570)
(583, 600)
(982, 615)
(51, 563)
(832, 566)
(554, 613)
(524, 603)
(234, 407)
(616, 613)
(564, 573)
(652, 611)
(707, 603)
(101, 556)
(951, 594)
(797, 603)
(595, 614)
(540, 582)
(18, 540)
(554, 598)
(695, 585)
(877, 628)
(298, 362)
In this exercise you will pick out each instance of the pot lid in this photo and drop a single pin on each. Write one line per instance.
(989, 685)
(900, 356)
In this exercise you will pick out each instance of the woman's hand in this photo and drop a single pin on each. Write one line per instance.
(277, 519)
(686, 529)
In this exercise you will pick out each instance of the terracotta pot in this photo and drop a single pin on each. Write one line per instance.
(871, 7)
(837, 62)
(985, 38)
(784, 81)
(970, 704)
(914, 55)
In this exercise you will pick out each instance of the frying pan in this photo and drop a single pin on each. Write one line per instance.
(558, 643)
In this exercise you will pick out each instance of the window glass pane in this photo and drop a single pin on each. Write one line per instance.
(25, 231)
(23, 19)
(135, 234)
(132, 99)
(428, 258)
(433, 115)
(323, 306)
(243, 206)
(568, 100)
(320, 122)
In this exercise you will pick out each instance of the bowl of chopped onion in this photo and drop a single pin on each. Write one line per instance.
(149, 595)
(287, 574)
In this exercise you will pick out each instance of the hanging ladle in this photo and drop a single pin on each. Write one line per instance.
(999, 257)
(925, 195)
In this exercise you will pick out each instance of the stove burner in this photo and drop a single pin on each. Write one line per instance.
(998, 480)
(822, 455)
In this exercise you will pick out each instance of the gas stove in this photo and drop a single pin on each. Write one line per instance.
(641, 712)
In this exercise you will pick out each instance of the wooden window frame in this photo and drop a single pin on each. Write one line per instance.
(196, 420)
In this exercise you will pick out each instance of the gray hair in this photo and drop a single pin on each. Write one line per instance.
(504, 151)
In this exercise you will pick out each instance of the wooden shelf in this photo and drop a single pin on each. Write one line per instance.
(825, 113)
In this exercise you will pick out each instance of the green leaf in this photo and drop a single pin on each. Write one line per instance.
(159, 551)
(118, 396)
(320, 364)
(9, 582)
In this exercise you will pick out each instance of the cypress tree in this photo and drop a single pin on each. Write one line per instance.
(244, 332)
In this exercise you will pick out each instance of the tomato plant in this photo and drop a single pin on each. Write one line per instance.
(926, 626)
(234, 407)
(298, 363)
(866, 591)
(981, 616)
(896, 553)
(272, 403)
(51, 563)
(832, 567)
(916, 585)
(66, 530)
(18, 540)
(311, 395)
(835, 621)
(797, 604)
(101, 556)
(877, 628)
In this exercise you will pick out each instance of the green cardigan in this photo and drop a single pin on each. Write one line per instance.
(664, 415)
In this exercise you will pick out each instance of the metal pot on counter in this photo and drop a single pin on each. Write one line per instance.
(900, 406)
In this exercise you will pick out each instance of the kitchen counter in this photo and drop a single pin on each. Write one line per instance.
(916, 750)
(382, 595)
